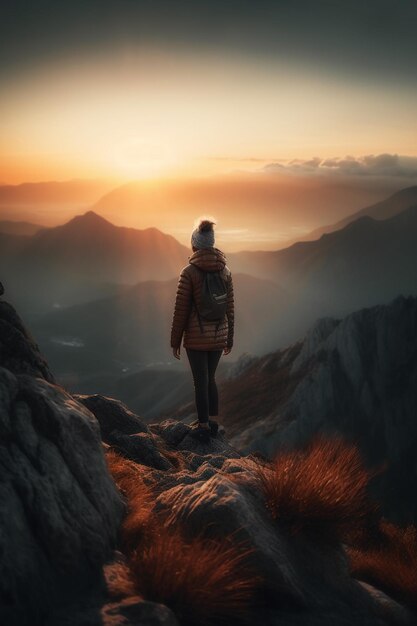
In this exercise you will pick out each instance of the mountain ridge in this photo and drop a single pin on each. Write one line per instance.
(143, 524)
(75, 261)
(380, 211)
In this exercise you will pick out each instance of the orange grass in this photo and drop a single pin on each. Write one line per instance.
(321, 489)
(203, 582)
(129, 478)
(392, 565)
(119, 581)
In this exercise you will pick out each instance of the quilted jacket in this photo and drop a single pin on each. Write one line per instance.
(185, 321)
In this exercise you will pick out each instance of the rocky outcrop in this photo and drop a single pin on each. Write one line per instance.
(199, 540)
(59, 508)
(213, 493)
(356, 376)
(18, 351)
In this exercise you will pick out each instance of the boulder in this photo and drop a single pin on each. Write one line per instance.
(60, 510)
(113, 415)
(18, 351)
(357, 377)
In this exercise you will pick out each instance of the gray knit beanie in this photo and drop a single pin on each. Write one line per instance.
(203, 235)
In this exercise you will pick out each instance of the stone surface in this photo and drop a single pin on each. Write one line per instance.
(357, 377)
(113, 415)
(141, 448)
(60, 511)
(131, 611)
(135, 611)
(18, 351)
(59, 508)
(301, 576)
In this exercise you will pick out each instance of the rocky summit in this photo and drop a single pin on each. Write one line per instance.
(106, 520)
(356, 377)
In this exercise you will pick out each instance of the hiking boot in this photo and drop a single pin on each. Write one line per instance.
(200, 433)
(214, 427)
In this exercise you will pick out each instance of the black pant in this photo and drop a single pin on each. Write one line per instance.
(203, 366)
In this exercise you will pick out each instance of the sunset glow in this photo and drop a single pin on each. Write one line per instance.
(139, 113)
(274, 117)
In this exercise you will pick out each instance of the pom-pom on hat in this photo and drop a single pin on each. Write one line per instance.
(203, 235)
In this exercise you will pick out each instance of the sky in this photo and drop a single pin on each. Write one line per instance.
(276, 117)
(131, 89)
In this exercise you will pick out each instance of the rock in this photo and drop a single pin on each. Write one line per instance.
(140, 448)
(240, 365)
(18, 351)
(113, 415)
(389, 608)
(132, 611)
(60, 511)
(59, 508)
(357, 377)
(126, 432)
(178, 435)
(300, 576)
(135, 612)
(171, 431)
(313, 340)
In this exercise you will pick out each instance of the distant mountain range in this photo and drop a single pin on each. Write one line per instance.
(31, 198)
(84, 259)
(269, 210)
(131, 330)
(9, 227)
(100, 297)
(399, 201)
(367, 262)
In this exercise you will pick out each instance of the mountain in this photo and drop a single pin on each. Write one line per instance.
(255, 210)
(356, 377)
(10, 246)
(49, 201)
(93, 246)
(131, 331)
(85, 259)
(141, 391)
(395, 204)
(278, 295)
(367, 262)
(107, 520)
(19, 228)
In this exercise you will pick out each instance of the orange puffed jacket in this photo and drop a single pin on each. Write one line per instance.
(185, 320)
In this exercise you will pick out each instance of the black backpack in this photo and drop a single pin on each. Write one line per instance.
(213, 298)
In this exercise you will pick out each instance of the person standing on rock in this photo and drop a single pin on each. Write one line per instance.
(204, 316)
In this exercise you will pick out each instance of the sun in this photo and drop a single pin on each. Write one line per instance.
(141, 157)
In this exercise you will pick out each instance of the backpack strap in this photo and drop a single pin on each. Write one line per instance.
(198, 317)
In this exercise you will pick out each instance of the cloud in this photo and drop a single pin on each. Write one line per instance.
(369, 165)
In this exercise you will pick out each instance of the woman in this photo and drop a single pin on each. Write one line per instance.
(204, 340)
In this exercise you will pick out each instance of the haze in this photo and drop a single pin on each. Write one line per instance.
(293, 117)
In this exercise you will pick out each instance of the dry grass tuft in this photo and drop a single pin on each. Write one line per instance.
(321, 489)
(391, 565)
(119, 581)
(204, 582)
(129, 478)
